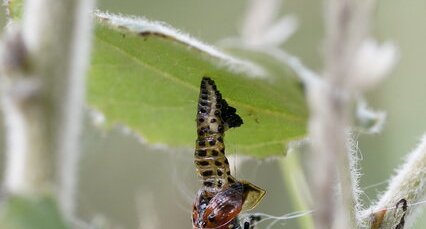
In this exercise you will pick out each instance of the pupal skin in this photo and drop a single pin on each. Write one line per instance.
(221, 197)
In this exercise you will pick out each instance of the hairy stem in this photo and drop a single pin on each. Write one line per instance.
(330, 102)
(328, 123)
(43, 97)
(409, 183)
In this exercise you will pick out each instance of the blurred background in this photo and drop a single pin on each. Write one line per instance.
(126, 184)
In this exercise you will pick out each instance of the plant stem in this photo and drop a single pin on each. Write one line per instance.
(296, 184)
(328, 123)
(43, 99)
(330, 102)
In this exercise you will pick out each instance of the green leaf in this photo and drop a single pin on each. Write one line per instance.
(146, 76)
(35, 213)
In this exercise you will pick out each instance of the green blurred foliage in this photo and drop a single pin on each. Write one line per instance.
(31, 213)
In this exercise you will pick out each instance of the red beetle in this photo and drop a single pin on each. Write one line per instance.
(221, 210)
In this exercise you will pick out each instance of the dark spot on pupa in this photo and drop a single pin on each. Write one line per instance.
(208, 183)
(203, 163)
(230, 180)
(215, 153)
(219, 172)
(201, 143)
(201, 119)
(203, 111)
(218, 163)
(226, 161)
(220, 139)
(213, 120)
(205, 97)
(217, 112)
(219, 184)
(201, 153)
(207, 173)
(212, 142)
(229, 172)
(206, 129)
(203, 103)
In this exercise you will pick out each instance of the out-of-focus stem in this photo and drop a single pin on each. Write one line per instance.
(346, 26)
(296, 184)
(43, 98)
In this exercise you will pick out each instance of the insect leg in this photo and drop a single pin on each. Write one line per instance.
(251, 223)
